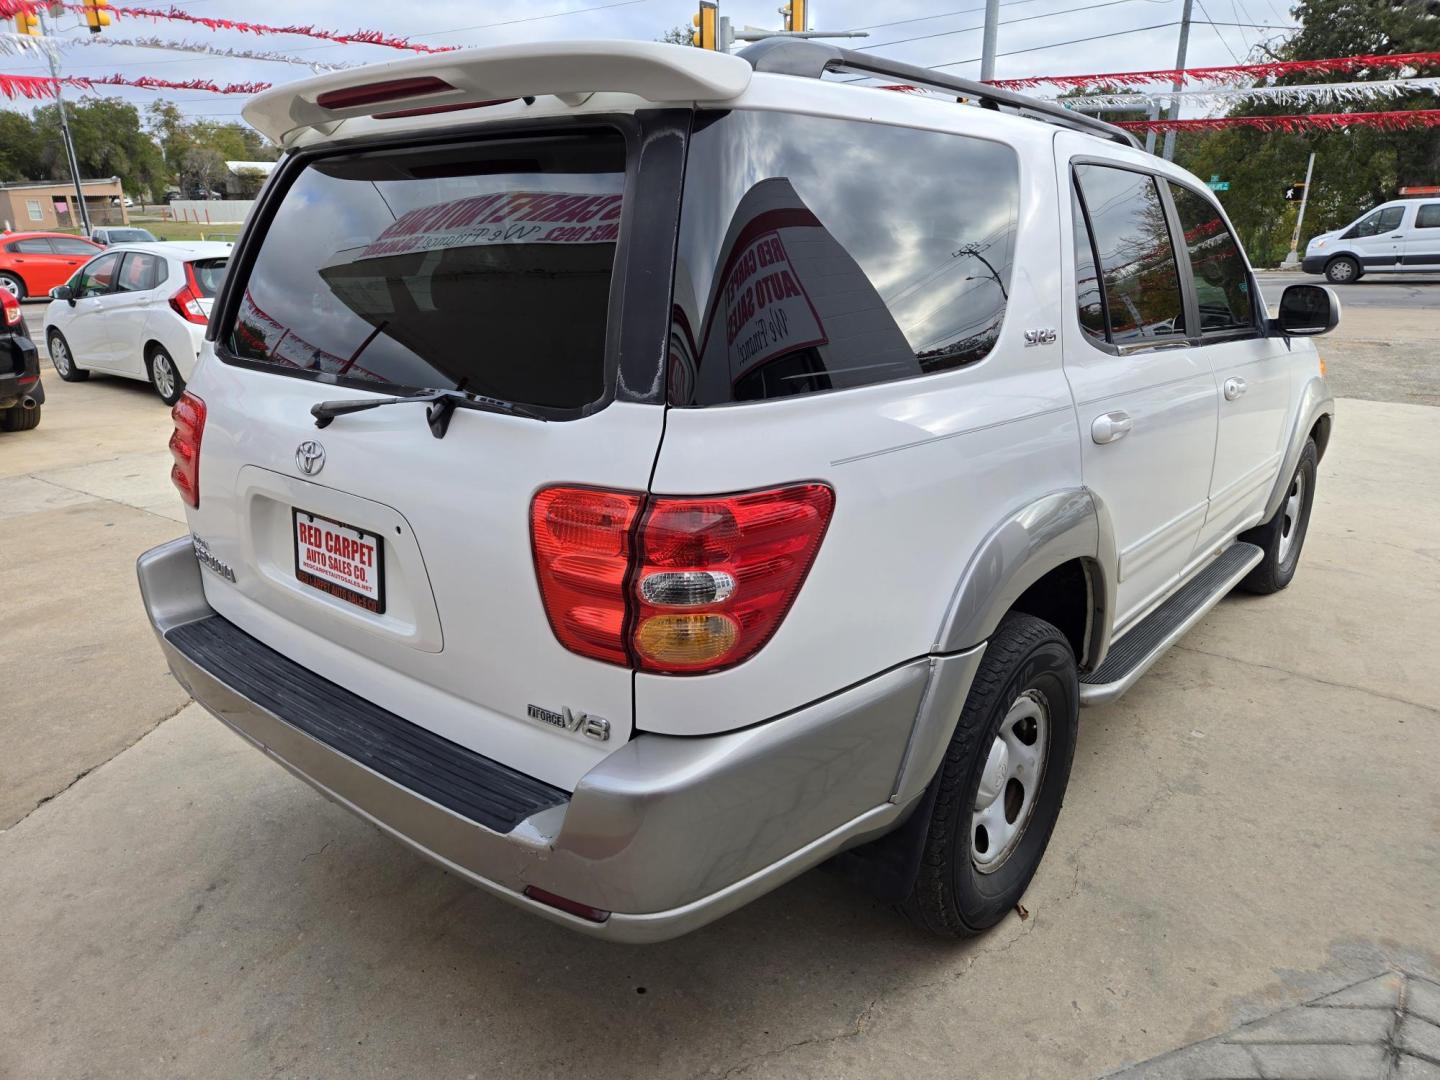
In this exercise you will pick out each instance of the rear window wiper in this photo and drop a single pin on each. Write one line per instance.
(441, 406)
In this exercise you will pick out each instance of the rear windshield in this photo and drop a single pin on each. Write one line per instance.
(129, 236)
(209, 273)
(482, 267)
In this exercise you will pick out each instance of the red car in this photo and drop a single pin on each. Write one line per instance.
(33, 263)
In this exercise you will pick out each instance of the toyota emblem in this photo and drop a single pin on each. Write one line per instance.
(310, 457)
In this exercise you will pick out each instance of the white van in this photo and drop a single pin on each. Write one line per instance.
(1400, 237)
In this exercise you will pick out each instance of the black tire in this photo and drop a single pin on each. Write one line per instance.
(19, 418)
(154, 364)
(13, 284)
(1342, 270)
(70, 373)
(951, 896)
(1283, 536)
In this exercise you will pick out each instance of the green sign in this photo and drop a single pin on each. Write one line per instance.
(1219, 185)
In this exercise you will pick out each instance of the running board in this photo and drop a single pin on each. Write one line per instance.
(1132, 655)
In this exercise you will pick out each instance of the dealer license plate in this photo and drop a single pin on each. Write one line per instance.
(340, 560)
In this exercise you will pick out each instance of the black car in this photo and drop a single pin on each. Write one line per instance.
(21, 393)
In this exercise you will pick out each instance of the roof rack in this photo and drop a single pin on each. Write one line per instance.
(812, 59)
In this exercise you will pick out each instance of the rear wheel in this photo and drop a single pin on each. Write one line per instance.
(1342, 270)
(19, 418)
(1283, 535)
(164, 376)
(1002, 782)
(13, 285)
(63, 359)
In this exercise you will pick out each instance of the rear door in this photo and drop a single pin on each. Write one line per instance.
(1144, 394)
(71, 253)
(1422, 239)
(38, 264)
(127, 308)
(387, 559)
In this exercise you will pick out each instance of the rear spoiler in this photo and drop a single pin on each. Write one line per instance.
(569, 70)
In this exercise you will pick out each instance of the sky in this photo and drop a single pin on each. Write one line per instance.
(927, 32)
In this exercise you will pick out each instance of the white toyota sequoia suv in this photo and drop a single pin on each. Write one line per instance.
(631, 475)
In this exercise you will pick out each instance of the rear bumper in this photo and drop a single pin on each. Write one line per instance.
(666, 833)
(19, 371)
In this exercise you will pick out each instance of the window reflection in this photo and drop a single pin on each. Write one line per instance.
(820, 254)
(1222, 281)
(1132, 239)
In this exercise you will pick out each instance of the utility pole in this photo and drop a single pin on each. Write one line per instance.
(992, 33)
(1293, 259)
(82, 214)
(1174, 110)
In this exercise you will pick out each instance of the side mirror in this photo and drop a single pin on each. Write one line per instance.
(63, 292)
(1305, 311)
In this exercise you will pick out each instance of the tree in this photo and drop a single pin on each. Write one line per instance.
(108, 142)
(183, 140)
(19, 148)
(202, 167)
(1354, 170)
(677, 35)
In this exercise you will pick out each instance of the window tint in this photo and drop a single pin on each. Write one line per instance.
(1137, 263)
(97, 277)
(484, 267)
(67, 246)
(1087, 277)
(208, 273)
(36, 246)
(129, 236)
(1428, 216)
(1222, 282)
(819, 254)
(1381, 221)
(139, 272)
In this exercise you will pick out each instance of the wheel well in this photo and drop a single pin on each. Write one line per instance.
(1321, 434)
(1063, 597)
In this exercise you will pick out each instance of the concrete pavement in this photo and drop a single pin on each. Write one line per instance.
(1255, 826)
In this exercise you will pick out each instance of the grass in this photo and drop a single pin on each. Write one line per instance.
(182, 230)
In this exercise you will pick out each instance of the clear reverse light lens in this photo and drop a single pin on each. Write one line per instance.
(687, 588)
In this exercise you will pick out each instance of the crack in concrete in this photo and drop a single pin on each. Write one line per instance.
(98, 765)
(1311, 678)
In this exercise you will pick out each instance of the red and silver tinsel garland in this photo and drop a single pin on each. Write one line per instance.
(357, 37)
(1310, 95)
(208, 50)
(1385, 121)
(43, 86)
(1234, 73)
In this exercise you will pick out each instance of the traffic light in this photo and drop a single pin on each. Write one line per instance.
(707, 26)
(795, 15)
(28, 23)
(95, 14)
(1294, 192)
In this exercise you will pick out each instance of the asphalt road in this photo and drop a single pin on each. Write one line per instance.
(1418, 292)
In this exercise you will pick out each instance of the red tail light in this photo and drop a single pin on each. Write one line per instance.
(673, 584)
(186, 302)
(12, 308)
(189, 416)
(374, 93)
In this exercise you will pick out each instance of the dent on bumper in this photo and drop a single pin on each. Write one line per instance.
(666, 833)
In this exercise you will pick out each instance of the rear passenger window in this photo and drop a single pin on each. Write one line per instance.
(139, 273)
(819, 254)
(482, 267)
(1428, 216)
(1087, 276)
(1143, 301)
(1222, 281)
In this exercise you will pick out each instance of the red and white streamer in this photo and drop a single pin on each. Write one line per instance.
(356, 37)
(1234, 73)
(1312, 95)
(43, 86)
(208, 50)
(1384, 121)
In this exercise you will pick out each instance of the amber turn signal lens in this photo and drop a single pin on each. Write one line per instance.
(686, 639)
(1322, 367)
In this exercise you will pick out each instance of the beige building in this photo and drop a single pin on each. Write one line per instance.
(27, 206)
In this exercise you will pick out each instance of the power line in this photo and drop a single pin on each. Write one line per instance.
(1061, 44)
(1217, 30)
(1004, 22)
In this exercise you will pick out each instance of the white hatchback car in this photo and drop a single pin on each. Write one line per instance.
(138, 311)
(630, 478)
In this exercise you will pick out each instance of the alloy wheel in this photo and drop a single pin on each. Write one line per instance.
(163, 371)
(1290, 521)
(60, 356)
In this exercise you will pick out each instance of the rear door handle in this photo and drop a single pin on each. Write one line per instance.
(1110, 427)
(1234, 388)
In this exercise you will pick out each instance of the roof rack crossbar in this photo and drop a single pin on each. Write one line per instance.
(812, 59)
